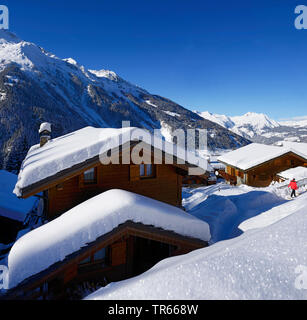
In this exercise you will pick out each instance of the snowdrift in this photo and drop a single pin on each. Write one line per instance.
(266, 263)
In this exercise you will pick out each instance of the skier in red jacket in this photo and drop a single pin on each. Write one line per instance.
(293, 186)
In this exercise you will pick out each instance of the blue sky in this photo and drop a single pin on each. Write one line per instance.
(224, 56)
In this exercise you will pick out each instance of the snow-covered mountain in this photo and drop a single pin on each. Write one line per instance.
(248, 125)
(37, 86)
(254, 124)
(258, 127)
(299, 122)
(220, 119)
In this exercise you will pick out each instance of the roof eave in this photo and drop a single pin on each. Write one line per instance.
(75, 170)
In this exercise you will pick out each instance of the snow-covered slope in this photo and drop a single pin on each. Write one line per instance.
(258, 127)
(36, 86)
(276, 213)
(269, 262)
(224, 207)
(220, 119)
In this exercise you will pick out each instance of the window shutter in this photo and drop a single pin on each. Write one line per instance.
(134, 172)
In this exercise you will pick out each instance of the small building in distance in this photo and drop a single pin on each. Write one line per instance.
(257, 165)
(298, 173)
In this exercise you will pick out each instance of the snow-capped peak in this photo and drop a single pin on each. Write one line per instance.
(258, 121)
(248, 125)
(71, 61)
(26, 55)
(33, 58)
(105, 74)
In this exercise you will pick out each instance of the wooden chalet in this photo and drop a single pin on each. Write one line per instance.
(257, 165)
(65, 188)
(127, 249)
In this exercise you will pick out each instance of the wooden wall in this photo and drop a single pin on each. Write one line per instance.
(164, 186)
(263, 175)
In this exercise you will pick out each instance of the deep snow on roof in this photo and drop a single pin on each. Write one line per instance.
(297, 173)
(298, 146)
(10, 206)
(66, 151)
(254, 154)
(52, 242)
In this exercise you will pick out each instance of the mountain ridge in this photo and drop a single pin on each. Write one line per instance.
(258, 127)
(36, 86)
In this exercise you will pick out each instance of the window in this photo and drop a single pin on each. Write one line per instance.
(100, 254)
(90, 176)
(86, 260)
(142, 170)
(146, 170)
(149, 170)
(97, 259)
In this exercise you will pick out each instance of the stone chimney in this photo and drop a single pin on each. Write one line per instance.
(44, 133)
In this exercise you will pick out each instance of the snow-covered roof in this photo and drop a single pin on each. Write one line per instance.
(254, 154)
(52, 242)
(298, 146)
(74, 148)
(10, 206)
(298, 173)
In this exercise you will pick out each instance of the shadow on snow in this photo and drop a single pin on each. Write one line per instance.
(225, 213)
